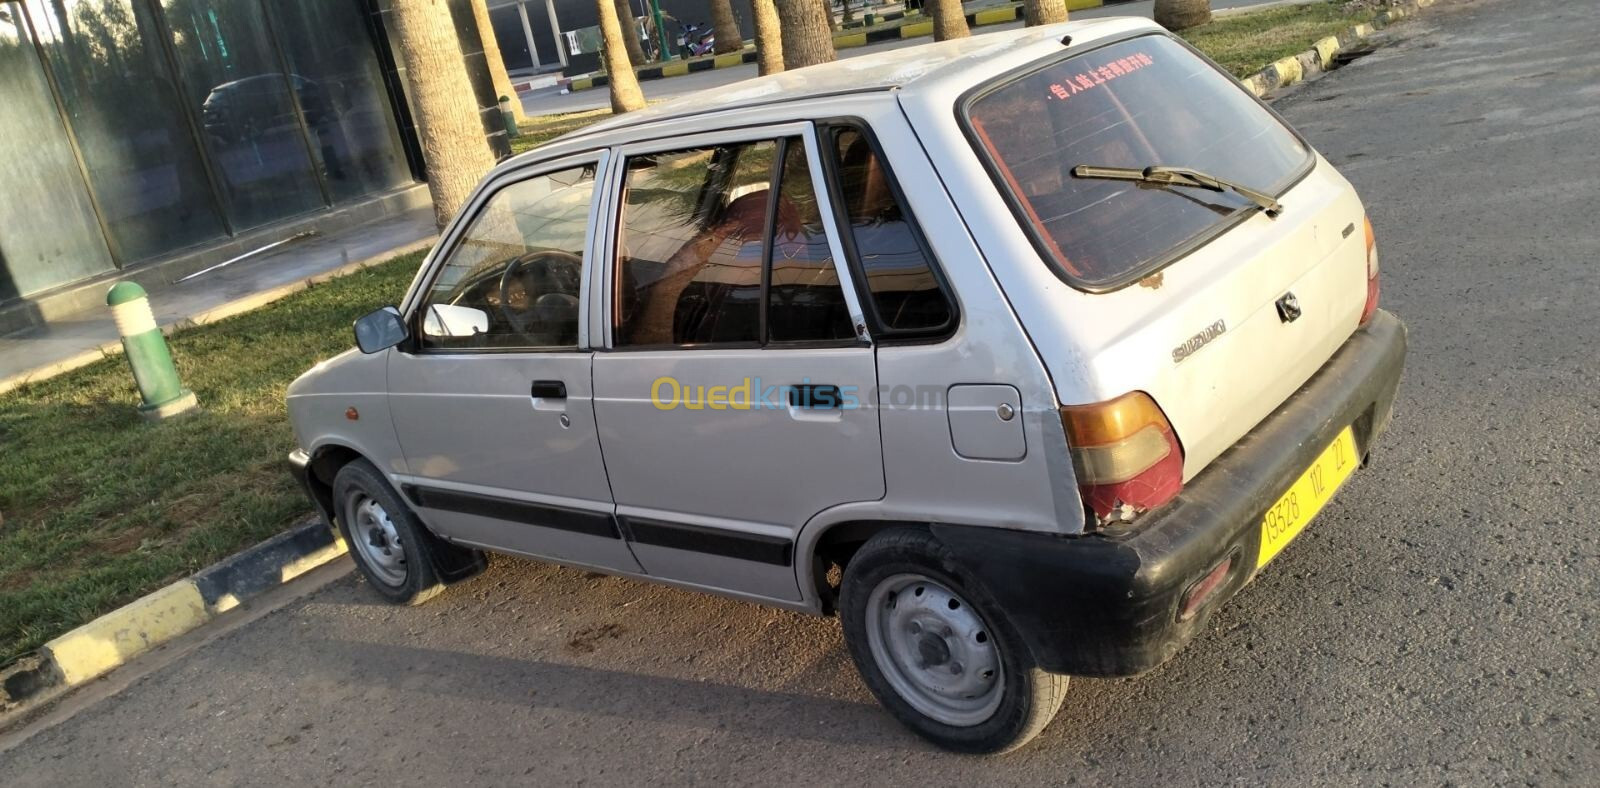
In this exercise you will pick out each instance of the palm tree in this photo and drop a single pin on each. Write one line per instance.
(448, 122)
(1044, 12)
(949, 20)
(1182, 14)
(769, 40)
(497, 66)
(723, 23)
(807, 32)
(630, 32)
(625, 93)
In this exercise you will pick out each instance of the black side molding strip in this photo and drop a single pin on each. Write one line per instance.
(715, 541)
(561, 518)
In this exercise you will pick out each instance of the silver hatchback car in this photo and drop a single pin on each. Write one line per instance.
(1020, 353)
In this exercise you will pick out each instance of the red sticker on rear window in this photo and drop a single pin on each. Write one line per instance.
(1089, 79)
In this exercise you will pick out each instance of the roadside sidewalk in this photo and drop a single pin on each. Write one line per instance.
(73, 340)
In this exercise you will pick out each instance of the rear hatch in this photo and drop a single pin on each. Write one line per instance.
(1199, 298)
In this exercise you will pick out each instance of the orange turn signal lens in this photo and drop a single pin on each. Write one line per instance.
(1371, 306)
(1125, 456)
(1111, 421)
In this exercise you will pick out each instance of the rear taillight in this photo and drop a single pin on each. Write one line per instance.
(1126, 456)
(1372, 273)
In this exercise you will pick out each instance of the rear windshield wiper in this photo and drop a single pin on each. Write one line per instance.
(1181, 176)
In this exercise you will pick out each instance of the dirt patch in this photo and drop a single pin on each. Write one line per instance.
(584, 642)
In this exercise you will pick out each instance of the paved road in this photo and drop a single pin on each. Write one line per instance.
(1436, 625)
(546, 101)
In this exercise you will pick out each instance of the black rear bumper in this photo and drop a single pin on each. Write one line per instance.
(1102, 605)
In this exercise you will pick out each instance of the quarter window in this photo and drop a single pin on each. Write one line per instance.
(899, 273)
(514, 279)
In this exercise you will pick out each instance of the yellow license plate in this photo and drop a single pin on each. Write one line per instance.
(1293, 512)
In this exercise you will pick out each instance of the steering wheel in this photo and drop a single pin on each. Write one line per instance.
(543, 273)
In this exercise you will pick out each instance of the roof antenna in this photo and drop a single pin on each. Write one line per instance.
(1066, 41)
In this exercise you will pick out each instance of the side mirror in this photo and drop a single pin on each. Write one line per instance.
(380, 330)
(450, 320)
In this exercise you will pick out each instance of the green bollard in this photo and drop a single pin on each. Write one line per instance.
(509, 118)
(163, 396)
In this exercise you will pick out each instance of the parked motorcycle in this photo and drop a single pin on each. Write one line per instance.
(696, 38)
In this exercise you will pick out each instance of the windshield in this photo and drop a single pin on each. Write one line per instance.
(1137, 103)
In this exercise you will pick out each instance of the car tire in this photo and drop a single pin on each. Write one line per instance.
(936, 649)
(390, 545)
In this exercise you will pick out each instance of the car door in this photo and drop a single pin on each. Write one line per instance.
(492, 401)
(732, 397)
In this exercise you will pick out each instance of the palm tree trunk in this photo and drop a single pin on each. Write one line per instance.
(1182, 14)
(451, 130)
(1044, 12)
(949, 20)
(625, 93)
(723, 23)
(769, 40)
(497, 66)
(630, 32)
(807, 32)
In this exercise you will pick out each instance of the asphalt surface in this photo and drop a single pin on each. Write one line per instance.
(550, 100)
(1437, 624)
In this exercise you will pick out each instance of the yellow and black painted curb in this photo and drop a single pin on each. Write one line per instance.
(987, 16)
(92, 650)
(1324, 54)
(673, 69)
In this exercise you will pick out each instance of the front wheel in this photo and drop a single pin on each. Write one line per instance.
(390, 545)
(936, 650)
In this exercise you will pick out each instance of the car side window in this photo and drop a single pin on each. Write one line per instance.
(513, 280)
(708, 235)
(690, 245)
(805, 302)
(894, 260)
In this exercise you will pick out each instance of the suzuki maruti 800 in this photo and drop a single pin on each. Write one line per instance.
(1020, 353)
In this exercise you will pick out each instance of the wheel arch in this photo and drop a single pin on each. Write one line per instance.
(830, 540)
(326, 460)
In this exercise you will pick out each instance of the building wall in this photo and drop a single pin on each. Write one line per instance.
(144, 127)
(579, 14)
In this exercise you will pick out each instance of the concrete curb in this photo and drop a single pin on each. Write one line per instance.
(212, 315)
(1323, 55)
(92, 650)
(674, 69)
(844, 40)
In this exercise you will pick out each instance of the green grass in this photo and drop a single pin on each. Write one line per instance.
(537, 131)
(1246, 43)
(100, 507)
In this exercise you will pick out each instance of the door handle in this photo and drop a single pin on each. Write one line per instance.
(548, 389)
(816, 396)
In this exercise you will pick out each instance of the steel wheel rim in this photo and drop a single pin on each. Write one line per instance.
(934, 650)
(375, 539)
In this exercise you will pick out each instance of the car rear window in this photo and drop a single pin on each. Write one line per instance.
(1136, 103)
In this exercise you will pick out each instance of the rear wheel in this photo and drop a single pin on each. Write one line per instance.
(937, 651)
(391, 547)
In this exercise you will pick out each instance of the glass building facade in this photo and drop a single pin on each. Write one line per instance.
(133, 129)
